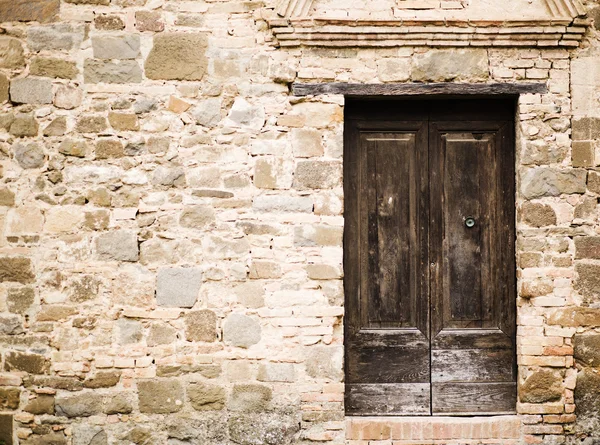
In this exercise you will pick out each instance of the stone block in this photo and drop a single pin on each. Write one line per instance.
(55, 312)
(61, 36)
(197, 217)
(582, 154)
(277, 372)
(119, 403)
(538, 215)
(120, 245)
(241, 330)
(128, 331)
(246, 115)
(586, 349)
(123, 121)
(207, 112)
(177, 56)
(250, 295)
(318, 175)
(42, 404)
(24, 125)
(20, 299)
(204, 397)
(250, 398)
(444, 65)
(585, 128)
(73, 147)
(540, 152)
(58, 127)
(12, 55)
(10, 324)
(91, 123)
(83, 404)
(278, 203)
(273, 173)
(109, 22)
(149, 21)
(587, 401)
(265, 270)
(53, 67)
(29, 90)
(86, 434)
(42, 11)
(200, 326)
(7, 197)
(585, 80)
(325, 362)
(540, 387)
(588, 280)
(178, 286)
(160, 396)
(16, 269)
(121, 47)
(109, 148)
(9, 398)
(161, 334)
(587, 247)
(318, 235)
(575, 317)
(546, 181)
(102, 379)
(68, 97)
(102, 71)
(394, 70)
(169, 177)
(22, 361)
(264, 428)
(306, 142)
(4, 88)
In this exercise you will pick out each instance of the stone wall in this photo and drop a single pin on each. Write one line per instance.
(171, 230)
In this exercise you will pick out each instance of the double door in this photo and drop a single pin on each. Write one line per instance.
(429, 257)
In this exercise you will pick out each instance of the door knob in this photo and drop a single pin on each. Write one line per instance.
(470, 222)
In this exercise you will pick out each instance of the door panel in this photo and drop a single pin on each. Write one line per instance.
(430, 300)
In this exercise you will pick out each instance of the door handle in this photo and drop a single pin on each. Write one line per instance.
(470, 222)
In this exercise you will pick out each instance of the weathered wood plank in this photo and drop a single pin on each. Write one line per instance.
(418, 89)
(388, 399)
(472, 365)
(474, 398)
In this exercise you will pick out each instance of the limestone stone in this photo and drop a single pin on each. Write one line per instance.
(120, 72)
(55, 312)
(588, 281)
(68, 97)
(277, 372)
(585, 128)
(587, 401)
(53, 67)
(60, 36)
(200, 326)
(9, 398)
(250, 295)
(96, 219)
(538, 215)
(394, 70)
(109, 22)
(109, 148)
(30, 363)
(545, 181)
(282, 73)
(91, 123)
(306, 142)
(82, 404)
(540, 152)
(263, 428)
(265, 270)
(16, 269)
(149, 21)
(123, 121)
(318, 235)
(144, 105)
(323, 272)
(575, 317)
(197, 217)
(11, 53)
(540, 387)
(531, 290)
(245, 115)
(178, 286)
(451, 64)
(249, 398)
(161, 334)
(177, 105)
(273, 173)
(7, 197)
(325, 362)
(119, 245)
(20, 299)
(42, 404)
(586, 208)
(10, 324)
(58, 127)
(4, 88)
(103, 379)
(41, 11)
(29, 90)
(119, 403)
(85, 434)
(73, 147)
(277, 203)
(158, 144)
(125, 46)
(317, 175)
(586, 349)
(582, 154)
(29, 155)
(128, 331)
(169, 177)
(206, 397)
(207, 112)
(24, 125)
(63, 219)
(241, 330)
(587, 247)
(25, 220)
(177, 56)
(160, 396)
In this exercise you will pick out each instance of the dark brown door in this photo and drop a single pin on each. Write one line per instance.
(429, 257)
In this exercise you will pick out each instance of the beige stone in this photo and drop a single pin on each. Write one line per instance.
(63, 219)
(160, 396)
(177, 56)
(109, 22)
(68, 97)
(541, 386)
(538, 215)
(575, 316)
(394, 70)
(41, 11)
(201, 326)
(11, 52)
(177, 105)
(53, 67)
(206, 397)
(273, 173)
(25, 220)
(582, 154)
(123, 121)
(4, 88)
(149, 21)
(455, 64)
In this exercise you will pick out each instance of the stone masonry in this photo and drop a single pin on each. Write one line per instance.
(171, 226)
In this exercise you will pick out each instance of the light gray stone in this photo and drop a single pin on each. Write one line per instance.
(82, 404)
(264, 428)
(168, 176)
(279, 203)
(208, 112)
(178, 286)
(546, 181)
(450, 64)
(325, 362)
(86, 434)
(10, 324)
(30, 90)
(251, 295)
(161, 334)
(128, 331)
(197, 217)
(68, 97)
(126, 46)
(144, 105)
(250, 398)
(28, 155)
(241, 330)
(277, 372)
(318, 175)
(394, 70)
(120, 245)
(55, 37)
(306, 142)
(101, 71)
(245, 115)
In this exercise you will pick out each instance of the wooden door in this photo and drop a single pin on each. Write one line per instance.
(429, 258)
